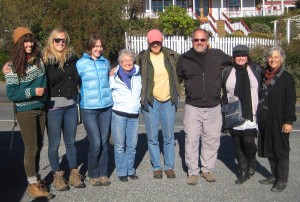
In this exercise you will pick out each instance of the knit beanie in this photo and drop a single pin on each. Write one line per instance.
(19, 32)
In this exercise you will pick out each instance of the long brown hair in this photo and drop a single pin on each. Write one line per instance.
(20, 59)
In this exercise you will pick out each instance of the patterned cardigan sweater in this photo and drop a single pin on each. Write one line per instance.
(22, 90)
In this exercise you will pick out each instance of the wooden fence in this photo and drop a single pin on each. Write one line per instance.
(181, 44)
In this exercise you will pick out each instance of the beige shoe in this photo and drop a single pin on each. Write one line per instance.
(95, 182)
(60, 182)
(75, 179)
(105, 181)
(208, 176)
(192, 180)
(38, 190)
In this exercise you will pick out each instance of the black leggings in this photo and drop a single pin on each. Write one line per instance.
(245, 146)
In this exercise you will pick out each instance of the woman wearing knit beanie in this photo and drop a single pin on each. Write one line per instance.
(25, 86)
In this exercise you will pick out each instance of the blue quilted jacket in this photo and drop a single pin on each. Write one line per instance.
(95, 90)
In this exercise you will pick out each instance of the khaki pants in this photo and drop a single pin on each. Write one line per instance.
(202, 124)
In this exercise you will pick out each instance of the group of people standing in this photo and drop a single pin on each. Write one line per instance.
(45, 88)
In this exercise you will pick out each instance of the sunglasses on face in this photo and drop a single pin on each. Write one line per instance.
(58, 40)
(202, 40)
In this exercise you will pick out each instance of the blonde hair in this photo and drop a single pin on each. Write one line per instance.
(51, 56)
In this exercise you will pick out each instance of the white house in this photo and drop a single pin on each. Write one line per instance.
(217, 8)
(215, 14)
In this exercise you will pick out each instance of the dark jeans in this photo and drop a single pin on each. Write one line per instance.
(97, 124)
(32, 125)
(58, 120)
(245, 147)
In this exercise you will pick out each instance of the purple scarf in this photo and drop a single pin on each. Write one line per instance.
(126, 76)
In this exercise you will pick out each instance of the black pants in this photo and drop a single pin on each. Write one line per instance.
(245, 147)
(280, 169)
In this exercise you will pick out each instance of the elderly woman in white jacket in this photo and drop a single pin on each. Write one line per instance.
(125, 86)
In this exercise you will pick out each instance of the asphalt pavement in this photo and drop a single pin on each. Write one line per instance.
(13, 179)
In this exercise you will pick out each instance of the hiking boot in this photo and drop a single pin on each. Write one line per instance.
(208, 176)
(105, 181)
(38, 190)
(157, 174)
(170, 173)
(75, 179)
(95, 182)
(192, 180)
(60, 182)
(269, 180)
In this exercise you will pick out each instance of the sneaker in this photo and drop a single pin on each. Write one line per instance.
(157, 174)
(95, 182)
(60, 182)
(192, 180)
(38, 190)
(208, 176)
(170, 174)
(75, 179)
(105, 181)
(269, 180)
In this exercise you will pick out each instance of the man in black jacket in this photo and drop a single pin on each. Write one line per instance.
(200, 68)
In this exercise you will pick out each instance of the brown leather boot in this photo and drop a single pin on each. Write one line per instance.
(38, 190)
(76, 179)
(60, 182)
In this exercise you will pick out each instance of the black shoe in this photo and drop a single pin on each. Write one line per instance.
(278, 186)
(242, 178)
(123, 179)
(269, 180)
(133, 177)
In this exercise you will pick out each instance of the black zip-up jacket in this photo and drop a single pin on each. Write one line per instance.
(202, 76)
(63, 82)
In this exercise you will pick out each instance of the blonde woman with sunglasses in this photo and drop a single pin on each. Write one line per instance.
(63, 81)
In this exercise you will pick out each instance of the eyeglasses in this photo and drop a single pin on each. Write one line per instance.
(58, 40)
(202, 40)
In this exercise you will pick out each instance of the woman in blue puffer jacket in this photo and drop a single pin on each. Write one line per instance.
(96, 108)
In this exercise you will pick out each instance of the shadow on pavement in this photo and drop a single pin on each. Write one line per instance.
(13, 181)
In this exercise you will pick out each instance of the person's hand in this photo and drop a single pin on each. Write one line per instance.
(6, 69)
(112, 71)
(39, 91)
(287, 128)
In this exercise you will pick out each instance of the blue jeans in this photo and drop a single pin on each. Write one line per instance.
(97, 124)
(124, 131)
(162, 113)
(65, 120)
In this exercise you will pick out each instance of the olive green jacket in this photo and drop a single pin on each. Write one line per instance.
(147, 73)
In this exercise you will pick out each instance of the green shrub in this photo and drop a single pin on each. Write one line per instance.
(261, 35)
(4, 57)
(259, 27)
(258, 19)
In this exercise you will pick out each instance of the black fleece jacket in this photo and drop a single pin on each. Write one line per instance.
(201, 74)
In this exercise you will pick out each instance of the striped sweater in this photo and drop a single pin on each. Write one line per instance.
(22, 91)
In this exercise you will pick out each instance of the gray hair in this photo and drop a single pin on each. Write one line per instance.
(126, 52)
(200, 29)
(273, 49)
